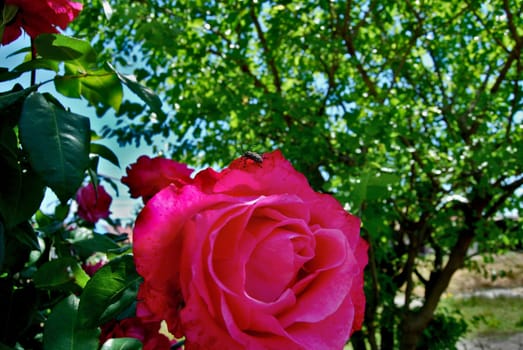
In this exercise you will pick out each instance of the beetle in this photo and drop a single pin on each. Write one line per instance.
(255, 157)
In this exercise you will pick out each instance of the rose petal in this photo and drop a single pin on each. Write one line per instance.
(270, 267)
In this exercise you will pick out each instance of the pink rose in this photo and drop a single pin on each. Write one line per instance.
(148, 176)
(134, 327)
(39, 16)
(93, 205)
(251, 258)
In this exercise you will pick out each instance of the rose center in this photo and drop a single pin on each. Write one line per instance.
(274, 264)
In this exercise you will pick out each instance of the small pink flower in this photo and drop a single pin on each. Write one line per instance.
(93, 205)
(39, 16)
(148, 176)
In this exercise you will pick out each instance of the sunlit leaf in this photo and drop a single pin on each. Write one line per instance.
(122, 344)
(68, 86)
(96, 86)
(146, 94)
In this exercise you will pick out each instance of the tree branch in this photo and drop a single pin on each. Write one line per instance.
(510, 22)
(508, 191)
(516, 51)
(436, 286)
(514, 103)
(270, 59)
(462, 118)
(418, 31)
(446, 106)
(514, 55)
(347, 36)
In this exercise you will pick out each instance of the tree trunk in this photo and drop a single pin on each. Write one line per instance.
(413, 323)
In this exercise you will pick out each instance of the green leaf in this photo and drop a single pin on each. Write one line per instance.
(8, 13)
(57, 143)
(61, 273)
(98, 243)
(96, 86)
(146, 94)
(122, 344)
(63, 48)
(105, 152)
(102, 87)
(110, 291)
(25, 234)
(359, 195)
(68, 86)
(22, 190)
(6, 75)
(61, 211)
(26, 49)
(39, 63)
(60, 332)
(10, 98)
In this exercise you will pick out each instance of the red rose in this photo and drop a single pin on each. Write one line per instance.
(134, 327)
(39, 16)
(93, 205)
(148, 176)
(251, 258)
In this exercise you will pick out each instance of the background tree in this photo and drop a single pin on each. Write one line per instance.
(409, 112)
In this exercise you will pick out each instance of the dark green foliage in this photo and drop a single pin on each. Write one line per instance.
(443, 332)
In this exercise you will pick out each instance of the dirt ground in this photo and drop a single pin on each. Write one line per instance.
(505, 272)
